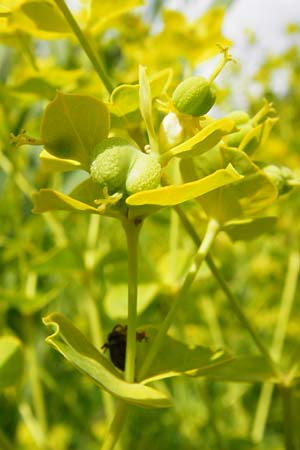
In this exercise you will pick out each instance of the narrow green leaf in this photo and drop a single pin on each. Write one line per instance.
(204, 140)
(125, 98)
(146, 106)
(50, 163)
(257, 136)
(177, 358)
(11, 361)
(244, 230)
(72, 125)
(50, 200)
(246, 369)
(73, 345)
(28, 304)
(173, 195)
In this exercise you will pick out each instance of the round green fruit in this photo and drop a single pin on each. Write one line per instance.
(194, 96)
(110, 166)
(143, 174)
(122, 167)
(239, 117)
(279, 175)
(234, 139)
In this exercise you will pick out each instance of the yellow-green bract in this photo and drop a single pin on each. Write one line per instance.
(122, 167)
(194, 96)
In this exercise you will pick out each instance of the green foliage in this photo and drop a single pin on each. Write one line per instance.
(208, 324)
(11, 361)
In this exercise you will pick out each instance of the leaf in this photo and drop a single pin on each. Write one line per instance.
(72, 344)
(177, 358)
(146, 106)
(104, 10)
(173, 195)
(4, 11)
(39, 18)
(181, 39)
(204, 140)
(248, 196)
(60, 259)
(11, 361)
(72, 125)
(27, 304)
(244, 230)
(50, 163)
(115, 301)
(246, 369)
(50, 200)
(36, 85)
(257, 136)
(125, 98)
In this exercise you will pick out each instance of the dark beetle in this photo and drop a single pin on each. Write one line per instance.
(116, 343)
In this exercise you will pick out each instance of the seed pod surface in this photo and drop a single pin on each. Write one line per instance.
(194, 96)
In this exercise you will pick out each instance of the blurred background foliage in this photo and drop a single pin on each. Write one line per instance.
(64, 262)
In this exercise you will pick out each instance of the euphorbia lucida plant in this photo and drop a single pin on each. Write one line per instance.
(128, 147)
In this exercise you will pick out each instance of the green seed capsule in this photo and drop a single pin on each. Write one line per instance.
(122, 167)
(143, 174)
(234, 139)
(110, 166)
(194, 96)
(239, 117)
(279, 175)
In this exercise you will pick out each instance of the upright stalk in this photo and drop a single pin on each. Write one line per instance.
(287, 299)
(116, 427)
(211, 232)
(132, 234)
(92, 55)
(290, 418)
(132, 231)
(232, 299)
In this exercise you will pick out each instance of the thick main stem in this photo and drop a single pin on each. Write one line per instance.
(211, 232)
(132, 231)
(132, 234)
(93, 57)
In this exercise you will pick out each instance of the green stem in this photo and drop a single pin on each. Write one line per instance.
(289, 415)
(24, 42)
(132, 231)
(32, 425)
(211, 232)
(116, 427)
(5, 444)
(226, 57)
(37, 393)
(85, 45)
(132, 234)
(233, 301)
(287, 299)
